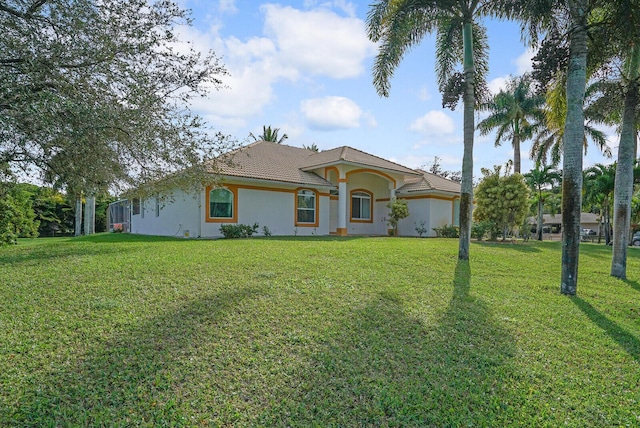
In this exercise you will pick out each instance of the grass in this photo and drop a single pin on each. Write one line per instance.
(121, 330)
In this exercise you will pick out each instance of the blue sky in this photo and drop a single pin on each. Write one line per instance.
(305, 67)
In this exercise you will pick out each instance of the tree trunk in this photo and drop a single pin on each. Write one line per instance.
(78, 216)
(539, 229)
(623, 189)
(516, 151)
(89, 215)
(466, 189)
(572, 148)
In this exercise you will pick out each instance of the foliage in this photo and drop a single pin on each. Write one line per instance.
(447, 231)
(513, 112)
(266, 231)
(502, 200)
(399, 210)
(17, 219)
(436, 168)
(479, 229)
(233, 231)
(420, 228)
(77, 77)
(538, 179)
(153, 331)
(599, 184)
(313, 147)
(269, 134)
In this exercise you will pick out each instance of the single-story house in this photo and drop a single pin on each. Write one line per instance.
(554, 222)
(296, 191)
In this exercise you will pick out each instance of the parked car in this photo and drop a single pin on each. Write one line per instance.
(635, 241)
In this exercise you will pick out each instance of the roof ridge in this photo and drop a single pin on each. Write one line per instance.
(343, 153)
(381, 158)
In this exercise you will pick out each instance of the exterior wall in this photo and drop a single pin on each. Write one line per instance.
(177, 214)
(272, 207)
(379, 187)
(433, 210)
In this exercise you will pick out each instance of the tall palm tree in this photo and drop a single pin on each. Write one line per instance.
(512, 113)
(538, 179)
(269, 134)
(398, 25)
(547, 144)
(599, 186)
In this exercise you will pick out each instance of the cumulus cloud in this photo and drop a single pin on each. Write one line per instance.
(433, 123)
(318, 41)
(331, 113)
(524, 62)
(498, 84)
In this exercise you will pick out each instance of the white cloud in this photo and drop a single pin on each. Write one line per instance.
(331, 113)
(498, 84)
(524, 62)
(424, 94)
(318, 42)
(227, 6)
(434, 122)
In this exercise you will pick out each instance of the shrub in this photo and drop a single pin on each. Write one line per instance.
(399, 210)
(480, 228)
(420, 229)
(447, 231)
(232, 231)
(117, 228)
(266, 231)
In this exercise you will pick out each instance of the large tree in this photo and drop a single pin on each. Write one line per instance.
(398, 25)
(512, 112)
(94, 94)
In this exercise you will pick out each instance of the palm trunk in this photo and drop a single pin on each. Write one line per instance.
(623, 189)
(78, 215)
(516, 150)
(539, 229)
(572, 148)
(466, 189)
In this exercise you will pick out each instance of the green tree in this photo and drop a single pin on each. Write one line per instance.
(512, 113)
(501, 200)
(96, 94)
(17, 219)
(599, 184)
(398, 210)
(269, 134)
(538, 179)
(398, 25)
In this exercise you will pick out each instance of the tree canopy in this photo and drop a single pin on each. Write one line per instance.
(95, 94)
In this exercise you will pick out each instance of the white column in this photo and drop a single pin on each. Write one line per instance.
(78, 229)
(342, 207)
(89, 215)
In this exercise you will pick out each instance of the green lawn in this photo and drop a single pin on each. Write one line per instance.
(117, 330)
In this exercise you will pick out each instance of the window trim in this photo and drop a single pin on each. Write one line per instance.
(234, 191)
(360, 220)
(316, 208)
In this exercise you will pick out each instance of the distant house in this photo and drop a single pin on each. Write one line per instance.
(294, 191)
(554, 222)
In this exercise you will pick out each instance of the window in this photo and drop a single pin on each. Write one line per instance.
(306, 207)
(221, 203)
(136, 206)
(361, 206)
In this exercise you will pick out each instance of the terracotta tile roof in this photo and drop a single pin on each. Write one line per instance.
(270, 161)
(429, 181)
(354, 156)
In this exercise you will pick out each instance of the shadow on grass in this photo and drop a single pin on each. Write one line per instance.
(525, 247)
(626, 340)
(55, 250)
(385, 367)
(134, 378)
(633, 284)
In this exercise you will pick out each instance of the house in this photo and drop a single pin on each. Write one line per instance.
(295, 191)
(553, 222)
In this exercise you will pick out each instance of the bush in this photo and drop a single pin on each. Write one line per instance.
(232, 231)
(480, 228)
(266, 231)
(447, 231)
(420, 229)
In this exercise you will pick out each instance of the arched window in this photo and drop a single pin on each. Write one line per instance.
(221, 205)
(306, 207)
(361, 206)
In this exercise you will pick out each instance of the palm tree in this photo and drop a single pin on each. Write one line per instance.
(547, 144)
(539, 178)
(599, 184)
(269, 134)
(398, 25)
(513, 111)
